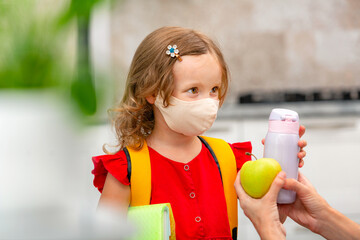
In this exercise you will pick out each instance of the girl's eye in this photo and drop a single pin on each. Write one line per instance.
(215, 89)
(193, 90)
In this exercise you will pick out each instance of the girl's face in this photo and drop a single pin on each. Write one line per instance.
(197, 77)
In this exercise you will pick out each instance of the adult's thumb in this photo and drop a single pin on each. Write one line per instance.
(276, 185)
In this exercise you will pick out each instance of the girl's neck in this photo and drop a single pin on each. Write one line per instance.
(169, 138)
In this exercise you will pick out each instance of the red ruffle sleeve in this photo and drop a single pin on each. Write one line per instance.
(239, 150)
(115, 164)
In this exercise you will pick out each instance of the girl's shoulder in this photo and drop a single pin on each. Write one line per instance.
(120, 155)
(115, 164)
(241, 146)
(239, 149)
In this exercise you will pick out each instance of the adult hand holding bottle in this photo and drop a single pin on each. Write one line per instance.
(310, 210)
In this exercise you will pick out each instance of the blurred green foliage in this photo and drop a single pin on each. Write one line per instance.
(80, 9)
(28, 48)
(34, 48)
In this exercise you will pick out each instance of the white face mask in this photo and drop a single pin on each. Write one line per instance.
(191, 118)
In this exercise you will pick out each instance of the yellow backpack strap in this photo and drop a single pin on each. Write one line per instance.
(139, 170)
(225, 158)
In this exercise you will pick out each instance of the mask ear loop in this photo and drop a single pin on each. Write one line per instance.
(172, 51)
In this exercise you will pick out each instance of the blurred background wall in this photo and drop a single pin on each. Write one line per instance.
(276, 50)
(64, 63)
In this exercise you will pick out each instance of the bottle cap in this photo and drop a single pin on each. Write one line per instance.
(284, 121)
(281, 114)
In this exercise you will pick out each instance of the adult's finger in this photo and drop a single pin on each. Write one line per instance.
(302, 143)
(301, 130)
(301, 154)
(276, 185)
(239, 190)
(301, 163)
(244, 198)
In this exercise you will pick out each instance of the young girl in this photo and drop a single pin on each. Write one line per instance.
(177, 80)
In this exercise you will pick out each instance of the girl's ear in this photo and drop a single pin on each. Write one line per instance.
(151, 99)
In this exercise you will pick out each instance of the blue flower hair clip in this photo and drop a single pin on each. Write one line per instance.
(173, 52)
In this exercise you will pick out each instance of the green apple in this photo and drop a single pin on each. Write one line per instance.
(257, 176)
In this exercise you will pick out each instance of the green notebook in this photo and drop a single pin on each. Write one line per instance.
(152, 222)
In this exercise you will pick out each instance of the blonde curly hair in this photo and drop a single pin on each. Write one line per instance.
(150, 74)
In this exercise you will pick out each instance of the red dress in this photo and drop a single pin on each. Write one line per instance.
(194, 189)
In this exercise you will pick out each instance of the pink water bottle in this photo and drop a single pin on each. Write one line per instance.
(281, 144)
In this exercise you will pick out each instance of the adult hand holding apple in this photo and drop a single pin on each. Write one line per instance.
(263, 212)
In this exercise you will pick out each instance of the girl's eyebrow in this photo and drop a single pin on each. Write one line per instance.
(192, 83)
(197, 82)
